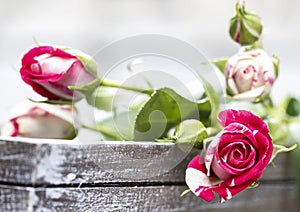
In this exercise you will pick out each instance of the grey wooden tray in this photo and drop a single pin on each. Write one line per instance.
(60, 175)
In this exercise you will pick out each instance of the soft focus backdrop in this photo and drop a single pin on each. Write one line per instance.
(91, 24)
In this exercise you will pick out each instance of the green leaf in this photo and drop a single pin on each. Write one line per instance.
(220, 63)
(293, 107)
(190, 134)
(213, 101)
(278, 149)
(164, 110)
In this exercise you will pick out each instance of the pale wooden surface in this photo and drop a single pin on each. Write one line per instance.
(58, 163)
(54, 163)
(274, 198)
(46, 175)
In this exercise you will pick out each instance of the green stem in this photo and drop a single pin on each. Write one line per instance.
(126, 87)
(267, 102)
(103, 131)
(185, 192)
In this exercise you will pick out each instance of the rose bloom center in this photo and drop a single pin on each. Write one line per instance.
(237, 156)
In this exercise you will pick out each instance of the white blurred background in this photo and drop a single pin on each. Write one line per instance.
(89, 25)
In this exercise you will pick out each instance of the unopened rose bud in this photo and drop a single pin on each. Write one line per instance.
(50, 71)
(249, 74)
(245, 27)
(40, 120)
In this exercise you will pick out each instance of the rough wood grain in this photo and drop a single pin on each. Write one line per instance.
(54, 163)
(13, 198)
(57, 175)
(265, 198)
(42, 162)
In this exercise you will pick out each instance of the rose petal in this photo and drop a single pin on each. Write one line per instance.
(252, 94)
(198, 181)
(219, 171)
(210, 151)
(244, 117)
(54, 64)
(11, 128)
(243, 77)
(204, 186)
(225, 158)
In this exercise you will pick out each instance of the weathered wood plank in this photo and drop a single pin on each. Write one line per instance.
(36, 161)
(42, 162)
(13, 198)
(266, 197)
(144, 175)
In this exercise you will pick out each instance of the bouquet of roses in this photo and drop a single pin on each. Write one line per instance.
(236, 145)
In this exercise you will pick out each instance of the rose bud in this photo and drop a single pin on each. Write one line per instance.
(50, 71)
(234, 159)
(245, 27)
(40, 120)
(250, 74)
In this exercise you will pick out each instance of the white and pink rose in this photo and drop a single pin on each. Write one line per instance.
(234, 159)
(40, 120)
(249, 74)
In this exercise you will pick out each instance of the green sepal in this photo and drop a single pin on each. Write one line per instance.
(254, 185)
(52, 102)
(71, 135)
(220, 63)
(190, 134)
(87, 89)
(245, 26)
(276, 62)
(278, 149)
(185, 192)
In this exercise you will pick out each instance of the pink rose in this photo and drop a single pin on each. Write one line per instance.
(234, 159)
(249, 74)
(49, 71)
(39, 120)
